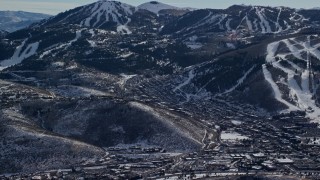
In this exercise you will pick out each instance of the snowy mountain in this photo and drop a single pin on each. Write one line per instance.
(99, 15)
(109, 74)
(242, 20)
(14, 20)
(167, 45)
(98, 28)
(118, 17)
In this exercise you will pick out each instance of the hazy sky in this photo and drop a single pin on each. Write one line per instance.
(56, 6)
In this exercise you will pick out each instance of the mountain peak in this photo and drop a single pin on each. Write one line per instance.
(154, 2)
(101, 14)
(155, 6)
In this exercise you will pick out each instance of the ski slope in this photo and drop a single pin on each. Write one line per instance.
(301, 92)
(104, 11)
(21, 53)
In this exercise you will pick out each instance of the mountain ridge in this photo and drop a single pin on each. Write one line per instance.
(15, 20)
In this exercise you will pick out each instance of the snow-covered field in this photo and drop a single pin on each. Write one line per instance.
(232, 136)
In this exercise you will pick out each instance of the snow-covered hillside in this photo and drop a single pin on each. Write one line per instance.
(14, 20)
(297, 59)
(108, 11)
(158, 80)
(103, 14)
(22, 52)
(241, 20)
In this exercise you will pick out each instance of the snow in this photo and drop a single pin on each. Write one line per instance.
(91, 31)
(236, 122)
(265, 26)
(111, 10)
(78, 35)
(295, 51)
(186, 82)
(240, 81)
(125, 78)
(123, 29)
(193, 44)
(279, 28)
(232, 136)
(92, 43)
(271, 51)
(304, 97)
(62, 46)
(286, 160)
(155, 7)
(20, 54)
(275, 88)
(299, 93)
(77, 91)
(58, 64)
(211, 19)
(162, 118)
(228, 24)
(249, 24)
(255, 23)
(230, 45)
(126, 55)
(258, 155)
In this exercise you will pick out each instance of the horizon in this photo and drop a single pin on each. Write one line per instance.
(54, 7)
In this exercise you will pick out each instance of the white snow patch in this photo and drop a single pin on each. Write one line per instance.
(62, 46)
(232, 136)
(231, 45)
(20, 54)
(228, 24)
(249, 24)
(275, 88)
(265, 26)
(58, 64)
(279, 28)
(77, 91)
(92, 43)
(295, 51)
(194, 45)
(240, 81)
(126, 55)
(286, 160)
(236, 122)
(271, 51)
(123, 29)
(186, 82)
(125, 78)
